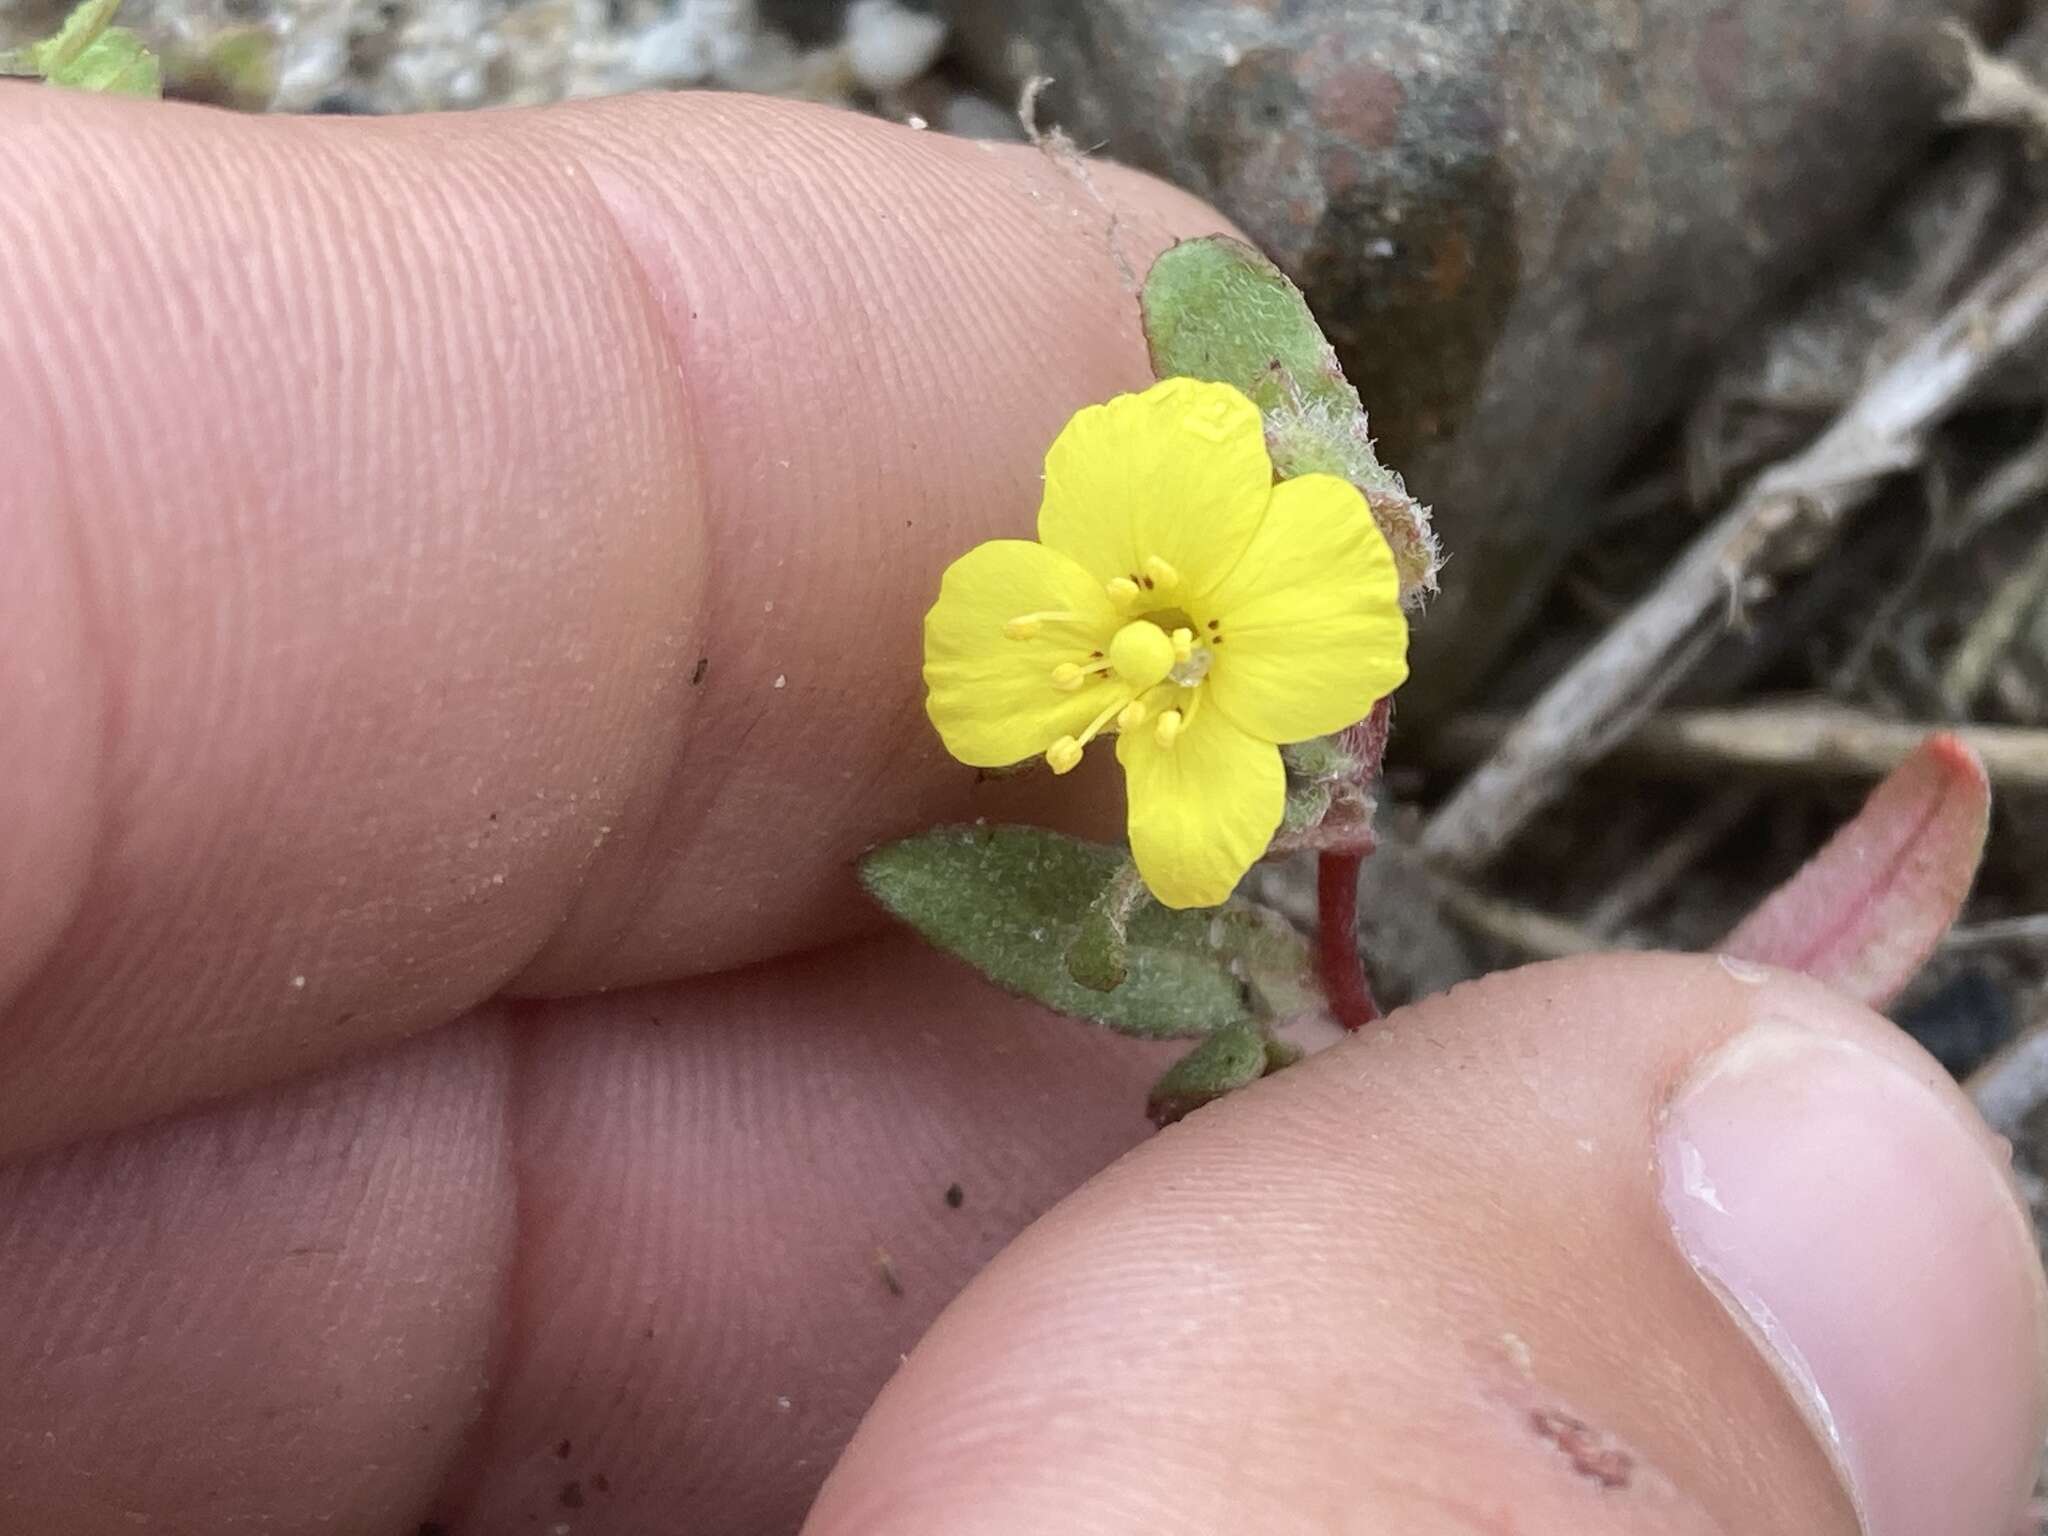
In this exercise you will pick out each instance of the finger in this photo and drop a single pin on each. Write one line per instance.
(625, 1265)
(287, 1308)
(461, 550)
(1438, 1280)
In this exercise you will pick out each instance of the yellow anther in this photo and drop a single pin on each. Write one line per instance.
(1162, 574)
(1067, 677)
(1132, 717)
(1141, 654)
(1021, 629)
(1167, 731)
(1183, 644)
(1122, 591)
(1064, 755)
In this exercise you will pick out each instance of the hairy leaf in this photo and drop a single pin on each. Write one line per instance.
(1216, 309)
(1012, 901)
(87, 53)
(1232, 1058)
(114, 64)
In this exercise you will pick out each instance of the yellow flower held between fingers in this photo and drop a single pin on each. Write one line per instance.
(1180, 599)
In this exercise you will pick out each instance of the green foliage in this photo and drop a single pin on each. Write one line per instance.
(88, 53)
(1320, 760)
(237, 67)
(1013, 902)
(1100, 956)
(1232, 1058)
(1216, 309)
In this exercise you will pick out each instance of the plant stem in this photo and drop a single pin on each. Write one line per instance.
(1338, 961)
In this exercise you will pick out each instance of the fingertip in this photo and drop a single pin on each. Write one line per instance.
(1431, 1277)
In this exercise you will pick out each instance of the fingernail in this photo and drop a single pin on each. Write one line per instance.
(1849, 1212)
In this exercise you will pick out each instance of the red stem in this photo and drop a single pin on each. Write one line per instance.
(1338, 960)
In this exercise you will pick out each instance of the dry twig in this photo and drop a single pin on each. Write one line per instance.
(1670, 861)
(1998, 933)
(1992, 632)
(1796, 739)
(1783, 522)
(1536, 935)
(1996, 90)
(2007, 1087)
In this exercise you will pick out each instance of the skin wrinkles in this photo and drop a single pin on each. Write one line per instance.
(446, 736)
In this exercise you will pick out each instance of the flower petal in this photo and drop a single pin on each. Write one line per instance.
(990, 696)
(1178, 472)
(1313, 633)
(1203, 810)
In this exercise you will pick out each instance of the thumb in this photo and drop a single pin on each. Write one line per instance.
(1655, 1245)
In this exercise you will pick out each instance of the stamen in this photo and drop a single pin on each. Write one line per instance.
(1026, 625)
(1095, 726)
(1169, 727)
(1122, 591)
(1161, 573)
(1132, 717)
(1063, 755)
(1068, 675)
(1183, 645)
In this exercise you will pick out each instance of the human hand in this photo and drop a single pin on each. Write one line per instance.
(424, 1102)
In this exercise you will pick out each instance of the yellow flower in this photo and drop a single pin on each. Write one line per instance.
(1180, 599)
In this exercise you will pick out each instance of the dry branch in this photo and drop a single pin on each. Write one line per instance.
(1670, 861)
(1992, 632)
(1783, 522)
(2031, 930)
(1798, 740)
(1535, 935)
(2008, 1087)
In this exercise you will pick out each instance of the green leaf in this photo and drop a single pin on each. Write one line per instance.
(116, 64)
(1100, 956)
(1232, 1058)
(1012, 901)
(80, 30)
(235, 67)
(87, 53)
(1271, 957)
(1320, 760)
(1307, 805)
(1216, 309)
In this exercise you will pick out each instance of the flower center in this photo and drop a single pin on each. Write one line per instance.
(1141, 655)
(1154, 663)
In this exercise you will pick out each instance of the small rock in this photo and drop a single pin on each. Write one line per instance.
(888, 44)
(704, 38)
